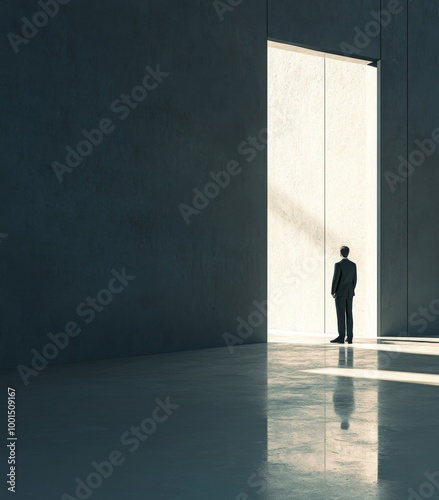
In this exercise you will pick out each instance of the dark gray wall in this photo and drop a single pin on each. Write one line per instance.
(392, 138)
(119, 208)
(423, 183)
(324, 25)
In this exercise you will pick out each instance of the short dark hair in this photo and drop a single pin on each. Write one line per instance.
(344, 251)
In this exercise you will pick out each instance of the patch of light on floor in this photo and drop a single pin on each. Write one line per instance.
(390, 376)
(404, 345)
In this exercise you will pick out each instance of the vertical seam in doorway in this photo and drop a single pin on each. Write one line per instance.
(407, 155)
(379, 323)
(324, 248)
(324, 194)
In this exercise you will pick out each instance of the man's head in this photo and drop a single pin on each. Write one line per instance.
(344, 251)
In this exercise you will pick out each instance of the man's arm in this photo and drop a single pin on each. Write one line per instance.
(355, 276)
(335, 279)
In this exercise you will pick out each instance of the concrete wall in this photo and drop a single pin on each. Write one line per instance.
(392, 257)
(322, 187)
(324, 25)
(423, 180)
(296, 205)
(118, 209)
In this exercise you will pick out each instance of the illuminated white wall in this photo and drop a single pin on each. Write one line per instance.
(322, 187)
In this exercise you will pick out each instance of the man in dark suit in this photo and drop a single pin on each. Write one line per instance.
(343, 291)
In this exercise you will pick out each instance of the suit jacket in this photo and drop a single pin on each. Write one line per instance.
(345, 278)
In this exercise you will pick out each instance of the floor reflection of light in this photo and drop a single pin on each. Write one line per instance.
(351, 437)
(307, 434)
(405, 345)
(409, 377)
(411, 339)
(431, 350)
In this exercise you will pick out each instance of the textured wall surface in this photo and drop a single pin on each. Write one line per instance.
(393, 117)
(118, 208)
(322, 188)
(295, 191)
(423, 179)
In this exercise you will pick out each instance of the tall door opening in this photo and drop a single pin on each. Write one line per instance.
(322, 188)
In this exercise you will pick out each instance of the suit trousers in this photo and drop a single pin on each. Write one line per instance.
(343, 306)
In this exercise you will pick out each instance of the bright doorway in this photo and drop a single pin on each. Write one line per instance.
(322, 188)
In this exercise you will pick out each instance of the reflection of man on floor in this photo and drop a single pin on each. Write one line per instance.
(343, 398)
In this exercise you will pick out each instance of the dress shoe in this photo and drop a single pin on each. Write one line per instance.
(338, 340)
(349, 341)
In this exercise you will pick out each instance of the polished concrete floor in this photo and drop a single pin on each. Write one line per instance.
(303, 419)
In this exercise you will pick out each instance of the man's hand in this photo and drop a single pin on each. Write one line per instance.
(334, 295)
